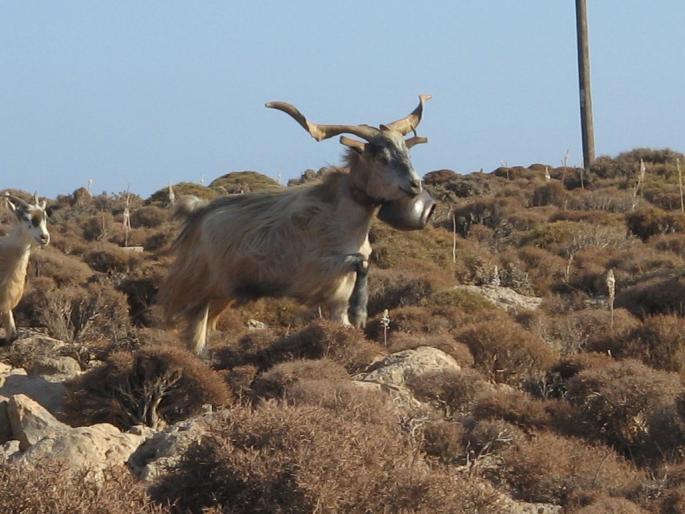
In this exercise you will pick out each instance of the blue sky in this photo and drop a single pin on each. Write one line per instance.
(141, 93)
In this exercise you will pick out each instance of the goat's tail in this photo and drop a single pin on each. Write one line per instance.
(185, 206)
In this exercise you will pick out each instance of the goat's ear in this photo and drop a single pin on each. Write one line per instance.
(416, 140)
(43, 204)
(12, 207)
(357, 146)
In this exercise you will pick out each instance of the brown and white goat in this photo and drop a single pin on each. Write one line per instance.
(30, 229)
(306, 242)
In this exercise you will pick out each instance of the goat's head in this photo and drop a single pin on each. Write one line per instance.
(380, 164)
(31, 219)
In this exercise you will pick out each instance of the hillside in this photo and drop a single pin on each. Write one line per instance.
(505, 377)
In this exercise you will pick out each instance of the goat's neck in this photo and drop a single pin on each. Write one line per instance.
(19, 240)
(355, 208)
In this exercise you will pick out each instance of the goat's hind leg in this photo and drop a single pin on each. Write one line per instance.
(196, 330)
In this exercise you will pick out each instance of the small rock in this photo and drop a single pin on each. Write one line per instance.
(396, 369)
(9, 450)
(253, 325)
(30, 421)
(164, 449)
(49, 394)
(92, 448)
(63, 366)
(505, 297)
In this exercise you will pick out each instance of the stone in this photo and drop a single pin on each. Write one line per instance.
(48, 394)
(164, 449)
(505, 297)
(31, 422)
(93, 448)
(396, 369)
(9, 450)
(62, 366)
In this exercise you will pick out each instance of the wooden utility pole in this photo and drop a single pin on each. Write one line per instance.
(588, 130)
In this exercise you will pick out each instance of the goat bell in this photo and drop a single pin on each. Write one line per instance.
(410, 213)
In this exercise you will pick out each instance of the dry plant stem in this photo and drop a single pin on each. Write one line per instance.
(680, 185)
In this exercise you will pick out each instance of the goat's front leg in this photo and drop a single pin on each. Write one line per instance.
(357, 309)
(9, 326)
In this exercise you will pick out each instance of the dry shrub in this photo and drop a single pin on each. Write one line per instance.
(344, 345)
(550, 468)
(149, 217)
(391, 289)
(154, 386)
(515, 407)
(486, 438)
(629, 406)
(579, 330)
(98, 227)
(281, 458)
(415, 321)
(445, 342)
(674, 243)
(63, 269)
(658, 295)
(505, 352)
(49, 489)
(607, 505)
(443, 440)
(345, 398)
(240, 379)
(543, 267)
(250, 349)
(648, 222)
(110, 258)
(451, 391)
(276, 381)
(465, 301)
(659, 342)
(81, 314)
(552, 193)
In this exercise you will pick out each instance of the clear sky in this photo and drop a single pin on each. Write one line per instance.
(141, 93)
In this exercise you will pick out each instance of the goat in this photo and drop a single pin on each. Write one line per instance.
(29, 230)
(307, 242)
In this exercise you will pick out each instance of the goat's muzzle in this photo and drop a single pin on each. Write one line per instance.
(409, 213)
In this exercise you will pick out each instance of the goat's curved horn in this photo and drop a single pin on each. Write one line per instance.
(321, 132)
(17, 200)
(409, 124)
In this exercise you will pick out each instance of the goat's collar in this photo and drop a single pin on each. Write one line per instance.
(362, 198)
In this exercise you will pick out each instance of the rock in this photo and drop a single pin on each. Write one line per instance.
(48, 394)
(61, 366)
(30, 421)
(396, 369)
(9, 450)
(505, 297)
(5, 425)
(93, 448)
(164, 449)
(253, 325)
(392, 374)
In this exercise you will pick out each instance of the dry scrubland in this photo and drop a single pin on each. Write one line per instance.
(557, 406)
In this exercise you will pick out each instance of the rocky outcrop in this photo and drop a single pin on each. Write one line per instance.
(93, 448)
(164, 449)
(394, 372)
(505, 297)
(31, 422)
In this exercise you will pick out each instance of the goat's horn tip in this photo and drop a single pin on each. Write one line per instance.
(425, 98)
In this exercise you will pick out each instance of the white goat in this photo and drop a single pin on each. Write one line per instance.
(306, 242)
(29, 230)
